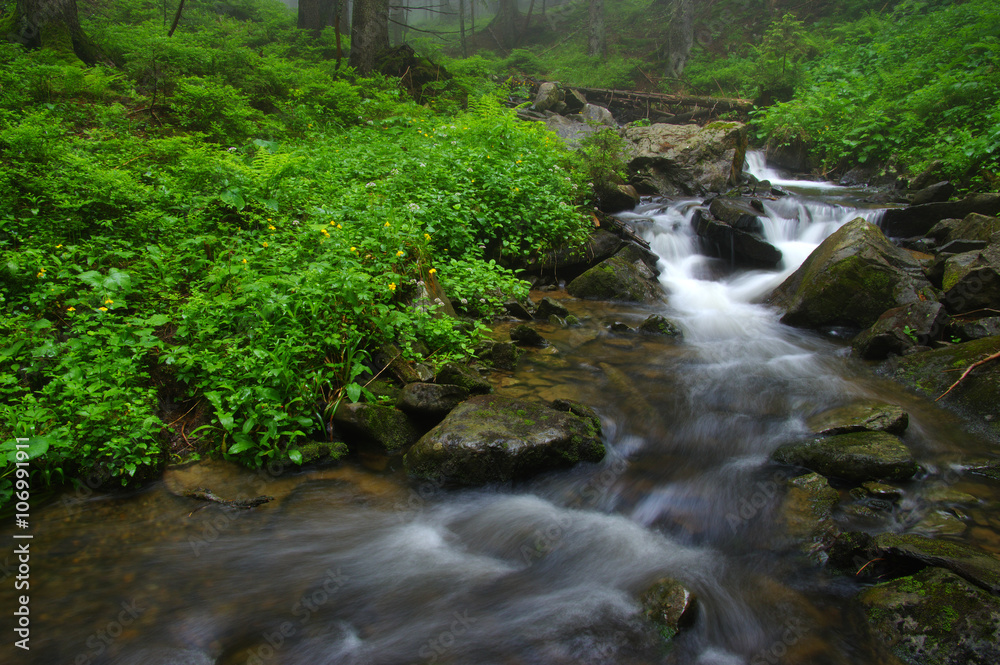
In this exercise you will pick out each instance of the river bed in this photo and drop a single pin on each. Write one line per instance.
(350, 566)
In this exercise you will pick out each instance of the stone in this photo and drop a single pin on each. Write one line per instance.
(500, 355)
(322, 452)
(740, 214)
(940, 191)
(858, 456)
(972, 227)
(806, 512)
(460, 375)
(737, 247)
(592, 113)
(618, 278)
(928, 176)
(655, 324)
(866, 416)
(933, 372)
(968, 329)
(936, 617)
(548, 307)
(518, 310)
(571, 262)
(525, 335)
(971, 281)
(549, 94)
(668, 605)
(491, 439)
(919, 219)
(687, 160)
(575, 101)
(854, 276)
(430, 401)
(374, 426)
(615, 197)
(974, 565)
(900, 329)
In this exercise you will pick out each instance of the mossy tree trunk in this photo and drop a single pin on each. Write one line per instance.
(52, 24)
(369, 33)
(596, 45)
(314, 15)
(505, 28)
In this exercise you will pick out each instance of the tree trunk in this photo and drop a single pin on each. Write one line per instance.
(369, 33)
(52, 24)
(314, 15)
(397, 15)
(505, 28)
(461, 27)
(597, 45)
(680, 38)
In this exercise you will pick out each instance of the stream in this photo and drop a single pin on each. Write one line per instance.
(348, 566)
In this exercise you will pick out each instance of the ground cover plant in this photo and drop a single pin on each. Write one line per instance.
(225, 223)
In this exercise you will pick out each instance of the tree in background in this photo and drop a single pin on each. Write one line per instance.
(314, 15)
(597, 44)
(51, 24)
(369, 33)
(680, 37)
(505, 28)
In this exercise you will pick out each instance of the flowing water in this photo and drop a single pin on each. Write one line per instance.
(351, 566)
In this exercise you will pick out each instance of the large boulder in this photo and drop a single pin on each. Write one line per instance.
(900, 329)
(806, 513)
(625, 276)
(687, 159)
(934, 616)
(854, 276)
(739, 246)
(430, 402)
(549, 95)
(376, 428)
(902, 549)
(933, 372)
(857, 456)
(489, 439)
(572, 261)
(971, 227)
(919, 219)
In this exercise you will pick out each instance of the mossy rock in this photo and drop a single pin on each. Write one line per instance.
(807, 513)
(525, 335)
(489, 439)
(933, 372)
(854, 276)
(461, 375)
(500, 355)
(858, 456)
(388, 430)
(668, 605)
(430, 401)
(900, 329)
(660, 325)
(935, 617)
(322, 452)
(978, 567)
(865, 416)
(617, 278)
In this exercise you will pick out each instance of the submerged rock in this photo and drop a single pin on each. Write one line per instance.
(490, 439)
(933, 372)
(736, 246)
(656, 324)
(936, 617)
(525, 335)
(668, 605)
(857, 456)
(854, 276)
(807, 513)
(867, 416)
(548, 307)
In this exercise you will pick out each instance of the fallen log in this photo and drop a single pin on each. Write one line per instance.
(203, 494)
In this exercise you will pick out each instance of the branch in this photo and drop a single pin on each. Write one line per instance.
(177, 18)
(432, 32)
(969, 369)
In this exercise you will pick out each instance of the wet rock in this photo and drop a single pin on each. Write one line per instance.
(656, 324)
(928, 176)
(974, 565)
(687, 159)
(740, 214)
(972, 227)
(968, 329)
(866, 416)
(939, 191)
(933, 372)
(615, 197)
(792, 154)
(807, 513)
(854, 276)
(501, 355)
(737, 247)
(466, 377)
(373, 426)
(668, 605)
(857, 456)
(525, 335)
(570, 262)
(919, 219)
(900, 329)
(592, 113)
(430, 402)
(498, 439)
(971, 281)
(936, 617)
(620, 328)
(547, 307)
(580, 410)
(518, 310)
(622, 277)
(321, 453)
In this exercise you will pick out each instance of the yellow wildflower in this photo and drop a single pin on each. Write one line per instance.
(400, 253)
(431, 271)
(109, 301)
(387, 225)
(271, 227)
(264, 245)
(518, 161)
(244, 260)
(392, 286)
(339, 226)
(71, 309)
(427, 236)
(103, 309)
(58, 246)
(354, 249)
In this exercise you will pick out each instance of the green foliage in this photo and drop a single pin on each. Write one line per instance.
(912, 87)
(604, 157)
(252, 277)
